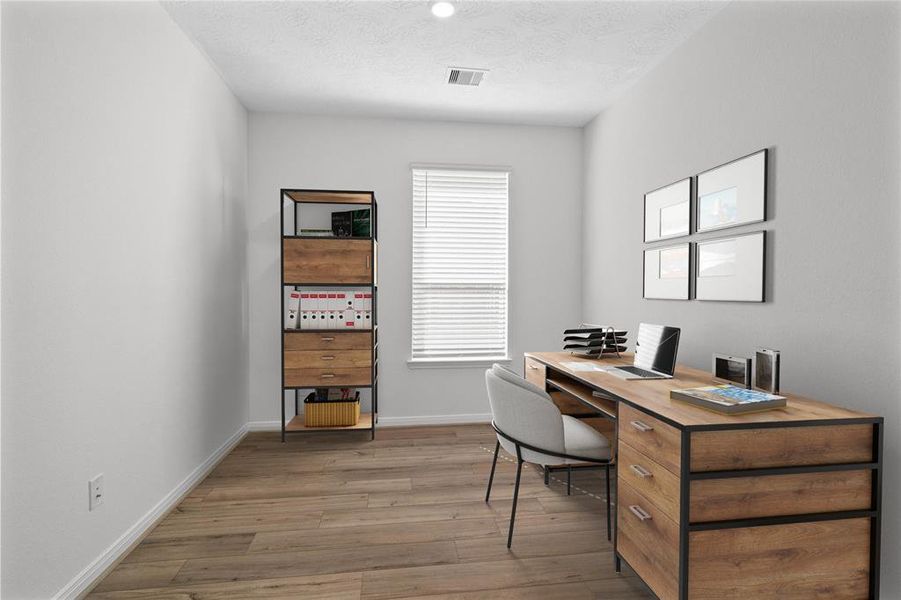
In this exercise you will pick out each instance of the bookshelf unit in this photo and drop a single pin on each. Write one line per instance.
(328, 358)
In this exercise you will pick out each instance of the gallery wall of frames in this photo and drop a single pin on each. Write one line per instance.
(723, 267)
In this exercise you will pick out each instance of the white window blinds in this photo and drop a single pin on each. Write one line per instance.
(459, 264)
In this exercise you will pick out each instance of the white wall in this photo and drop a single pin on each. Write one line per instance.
(340, 153)
(123, 275)
(818, 83)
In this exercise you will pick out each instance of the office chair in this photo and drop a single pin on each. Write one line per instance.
(530, 427)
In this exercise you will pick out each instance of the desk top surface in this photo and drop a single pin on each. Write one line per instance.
(654, 395)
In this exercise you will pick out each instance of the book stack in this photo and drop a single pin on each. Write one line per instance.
(729, 399)
(594, 341)
(329, 309)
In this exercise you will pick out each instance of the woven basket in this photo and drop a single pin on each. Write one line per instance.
(331, 414)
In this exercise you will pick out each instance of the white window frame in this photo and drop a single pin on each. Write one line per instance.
(450, 361)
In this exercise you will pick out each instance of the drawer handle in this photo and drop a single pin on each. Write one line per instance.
(643, 427)
(327, 376)
(640, 512)
(327, 357)
(641, 471)
(328, 339)
(533, 367)
(368, 262)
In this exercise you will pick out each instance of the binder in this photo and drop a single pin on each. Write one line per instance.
(367, 301)
(305, 320)
(340, 302)
(332, 319)
(332, 301)
(323, 301)
(349, 320)
(358, 319)
(323, 319)
(293, 310)
(367, 319)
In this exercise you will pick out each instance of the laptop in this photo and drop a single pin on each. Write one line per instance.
(655, 354)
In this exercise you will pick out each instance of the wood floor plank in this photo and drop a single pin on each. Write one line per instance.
(129, 576)
(316, 562)
(469, 577)
(341, 586)
(338, 517)
(372, 535)
(159, 548)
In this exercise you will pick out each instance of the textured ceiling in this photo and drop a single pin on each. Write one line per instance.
(551, 62)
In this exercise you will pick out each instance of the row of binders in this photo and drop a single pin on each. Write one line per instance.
(593, 341)
(350, 309)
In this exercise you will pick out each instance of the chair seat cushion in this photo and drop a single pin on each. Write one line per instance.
(583, 440)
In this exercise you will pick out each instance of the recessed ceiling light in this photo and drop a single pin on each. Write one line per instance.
(442, 9)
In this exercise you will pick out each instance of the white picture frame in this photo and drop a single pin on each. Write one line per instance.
(732, 194)
(731, 268)
(667, 272)
(667, 211)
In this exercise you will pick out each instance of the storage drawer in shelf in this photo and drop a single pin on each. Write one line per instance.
(535, 372)
(328, 261)
(327, 359)
(656, 483)
(649, 541)
(328, 340)
(328, 377)
(651, 437)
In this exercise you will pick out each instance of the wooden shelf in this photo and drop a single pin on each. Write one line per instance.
(326, 237)
(320, 331)
(327, 197)
(583, 394)
(364, 424)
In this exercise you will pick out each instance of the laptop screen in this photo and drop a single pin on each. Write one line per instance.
(656, 348)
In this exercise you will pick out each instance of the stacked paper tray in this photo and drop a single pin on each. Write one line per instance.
(594, 342)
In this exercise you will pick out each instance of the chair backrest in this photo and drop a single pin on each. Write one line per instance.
(523, 411)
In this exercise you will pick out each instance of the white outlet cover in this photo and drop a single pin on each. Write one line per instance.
(95, 492)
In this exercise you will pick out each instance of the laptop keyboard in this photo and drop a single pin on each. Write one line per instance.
(639, 371)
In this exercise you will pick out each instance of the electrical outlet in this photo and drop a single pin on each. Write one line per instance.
(95, 492)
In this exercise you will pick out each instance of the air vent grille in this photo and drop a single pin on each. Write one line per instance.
(469, 77)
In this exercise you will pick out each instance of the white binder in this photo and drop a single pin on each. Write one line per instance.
(291, 319)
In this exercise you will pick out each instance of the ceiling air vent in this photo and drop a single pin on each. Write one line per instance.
(460, 76)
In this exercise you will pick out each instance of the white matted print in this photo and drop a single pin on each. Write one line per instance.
(730, 268)
(732, 194)
(667, 272)
(667, 211)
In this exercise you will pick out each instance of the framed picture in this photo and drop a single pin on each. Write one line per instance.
(730, 268)
(667, 272)
(732, 194)
(667, 211)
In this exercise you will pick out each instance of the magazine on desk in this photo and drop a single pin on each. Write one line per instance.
(729, 399)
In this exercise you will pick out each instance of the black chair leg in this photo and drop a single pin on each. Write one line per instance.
(497, 447)
(569, 480)
(547, 474)
(515, 499)
(607, 482)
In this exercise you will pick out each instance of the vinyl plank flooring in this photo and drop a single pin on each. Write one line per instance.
(339, 517)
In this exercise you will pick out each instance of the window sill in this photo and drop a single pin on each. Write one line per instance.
(455, 363)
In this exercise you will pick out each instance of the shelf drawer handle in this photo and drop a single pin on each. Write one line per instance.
(327, 376)
(368, 261)
(639, 512)
(328, 339)
(327, 357)
(643, 427)
(641, 471)
(533, 367)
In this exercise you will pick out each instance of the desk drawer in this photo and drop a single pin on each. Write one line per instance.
(777, 495)
(781, 447)
(535, 372)
(648, 540)
(651, 437)
(327, 359)
(330, 377)
(649, 478)
(337, 340)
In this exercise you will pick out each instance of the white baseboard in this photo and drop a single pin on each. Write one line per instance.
(393, 421)
(91, 574)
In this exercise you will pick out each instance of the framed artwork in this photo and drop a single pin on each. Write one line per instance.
(732, 194)
(730, 268)
(667, 211)
(667, 272)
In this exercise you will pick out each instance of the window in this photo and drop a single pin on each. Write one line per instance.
(459, 264)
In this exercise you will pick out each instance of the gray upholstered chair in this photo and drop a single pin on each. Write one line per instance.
(530, 427)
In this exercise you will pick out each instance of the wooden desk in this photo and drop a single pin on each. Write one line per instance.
(779, 504)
